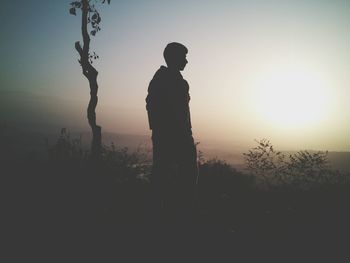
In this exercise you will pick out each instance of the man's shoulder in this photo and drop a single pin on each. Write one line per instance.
(162, 72)
(158, 81)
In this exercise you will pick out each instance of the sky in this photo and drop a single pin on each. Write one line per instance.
(257, 69)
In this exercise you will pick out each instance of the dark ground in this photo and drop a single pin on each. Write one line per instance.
(71, 213)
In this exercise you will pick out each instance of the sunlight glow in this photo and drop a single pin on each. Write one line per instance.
(293, 97)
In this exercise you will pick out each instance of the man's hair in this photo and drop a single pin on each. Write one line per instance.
(173, 50)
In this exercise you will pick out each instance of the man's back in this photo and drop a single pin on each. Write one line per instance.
(168, 103)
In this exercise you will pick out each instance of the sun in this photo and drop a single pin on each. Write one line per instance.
(292, 97)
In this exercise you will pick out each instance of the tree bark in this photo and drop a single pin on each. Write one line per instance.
(91, 74)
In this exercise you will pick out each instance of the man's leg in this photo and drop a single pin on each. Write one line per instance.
(163, 166)
(186, 180)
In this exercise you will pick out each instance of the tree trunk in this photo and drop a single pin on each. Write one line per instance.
(91, 74)
(91, 115)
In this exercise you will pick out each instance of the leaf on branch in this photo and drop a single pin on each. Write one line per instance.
(93, 32)
(72, 11)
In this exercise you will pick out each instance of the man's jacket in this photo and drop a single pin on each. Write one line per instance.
(167, 103)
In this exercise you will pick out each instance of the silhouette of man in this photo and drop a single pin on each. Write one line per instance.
(174, 152)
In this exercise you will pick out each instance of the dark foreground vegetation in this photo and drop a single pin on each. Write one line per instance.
(283, 208)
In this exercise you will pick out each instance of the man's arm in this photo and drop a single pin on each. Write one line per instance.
(158, 105)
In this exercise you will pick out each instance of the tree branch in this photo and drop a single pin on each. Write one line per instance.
(84, 31)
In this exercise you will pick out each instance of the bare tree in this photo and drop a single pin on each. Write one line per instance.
(90, 19)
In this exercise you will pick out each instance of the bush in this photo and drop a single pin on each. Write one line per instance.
(302, 170)
(66, 148)
(113, 161)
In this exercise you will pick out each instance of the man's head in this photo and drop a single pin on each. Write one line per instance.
(175, 56)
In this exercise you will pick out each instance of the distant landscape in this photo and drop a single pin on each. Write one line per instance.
(22, 141)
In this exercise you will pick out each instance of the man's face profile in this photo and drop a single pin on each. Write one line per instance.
(182, 61)
(175, 56)
(178, 61)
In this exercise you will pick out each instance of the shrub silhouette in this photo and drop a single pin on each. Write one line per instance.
(303, 169)
(113, 160)
(66, 148)
(221, 179)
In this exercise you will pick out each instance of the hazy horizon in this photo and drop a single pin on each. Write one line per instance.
(275, 70)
